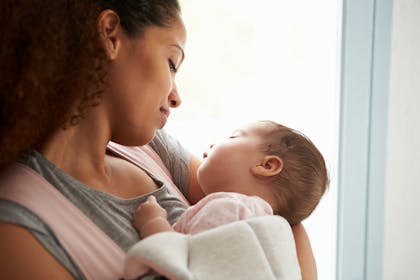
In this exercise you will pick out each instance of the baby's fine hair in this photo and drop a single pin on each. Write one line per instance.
(303, 179)
(52, 61)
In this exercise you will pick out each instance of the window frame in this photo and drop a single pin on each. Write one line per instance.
(364, 89)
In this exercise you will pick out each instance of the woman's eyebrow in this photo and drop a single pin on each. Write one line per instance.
(180, 49)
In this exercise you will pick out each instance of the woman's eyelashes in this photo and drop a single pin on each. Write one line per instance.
(172, 66)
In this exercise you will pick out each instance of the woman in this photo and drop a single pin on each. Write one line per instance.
(74, 76)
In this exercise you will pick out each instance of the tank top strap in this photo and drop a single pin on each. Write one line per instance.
(147, 159)
(95, 253)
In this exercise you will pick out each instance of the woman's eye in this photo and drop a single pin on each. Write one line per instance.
(172, 66)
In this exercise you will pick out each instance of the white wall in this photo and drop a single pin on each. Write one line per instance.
(402, 203)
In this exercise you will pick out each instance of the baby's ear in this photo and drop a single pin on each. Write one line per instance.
(269, 166)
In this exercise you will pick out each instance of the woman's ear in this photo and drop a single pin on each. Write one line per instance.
(270, 165)
(109, 29)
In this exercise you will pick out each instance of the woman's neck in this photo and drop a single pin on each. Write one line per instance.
(79, 150)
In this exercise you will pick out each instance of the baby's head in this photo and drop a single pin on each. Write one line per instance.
(303, 179)
(272, 161)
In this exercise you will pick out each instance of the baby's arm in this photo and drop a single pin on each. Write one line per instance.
(151, 218)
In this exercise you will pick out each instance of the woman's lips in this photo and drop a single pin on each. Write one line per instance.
(165, 115)
(166, 112)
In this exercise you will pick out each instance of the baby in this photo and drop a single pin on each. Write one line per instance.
(262, 169)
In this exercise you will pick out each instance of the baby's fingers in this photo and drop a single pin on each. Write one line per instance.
(151, 199)
(148, 210)
(150, 207)
(150, 202)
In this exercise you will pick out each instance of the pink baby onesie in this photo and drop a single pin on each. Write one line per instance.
(221, 208)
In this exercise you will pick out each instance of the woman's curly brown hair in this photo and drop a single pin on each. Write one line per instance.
(53, 66)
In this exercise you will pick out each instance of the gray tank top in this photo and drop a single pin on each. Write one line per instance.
(112, 214)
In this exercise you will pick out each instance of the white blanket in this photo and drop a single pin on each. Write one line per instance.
(258, 248)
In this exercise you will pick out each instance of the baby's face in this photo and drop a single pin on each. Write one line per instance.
(231, 159)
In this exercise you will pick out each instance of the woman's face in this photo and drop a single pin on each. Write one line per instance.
(142, 87)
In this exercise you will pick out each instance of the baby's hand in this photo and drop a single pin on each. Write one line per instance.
(147, 212)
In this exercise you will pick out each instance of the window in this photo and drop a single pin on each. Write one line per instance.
(250, 60)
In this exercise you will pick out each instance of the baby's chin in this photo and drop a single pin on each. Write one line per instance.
(201, 180)
(204, 184)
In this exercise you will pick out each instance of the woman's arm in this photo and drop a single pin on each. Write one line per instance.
(304, 251)
(23, 257)
(195, 193)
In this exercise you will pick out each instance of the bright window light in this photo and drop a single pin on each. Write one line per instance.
(249, 60)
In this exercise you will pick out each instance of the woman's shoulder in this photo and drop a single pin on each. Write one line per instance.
(175, 157)
(14, 213)
(18, 263)
(168, 147)
(18, 220)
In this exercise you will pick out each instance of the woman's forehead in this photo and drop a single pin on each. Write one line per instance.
(174, 34)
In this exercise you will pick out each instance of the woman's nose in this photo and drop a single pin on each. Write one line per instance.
(174, 99)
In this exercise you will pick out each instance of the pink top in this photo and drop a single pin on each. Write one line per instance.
(221, 208)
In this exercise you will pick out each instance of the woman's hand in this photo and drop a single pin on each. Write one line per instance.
(151, 218)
